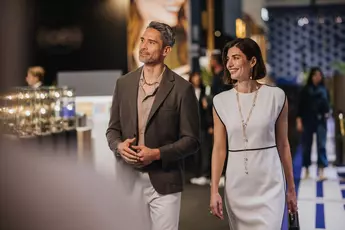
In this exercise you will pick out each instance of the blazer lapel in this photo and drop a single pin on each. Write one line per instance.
(133, 99)
(164, 89)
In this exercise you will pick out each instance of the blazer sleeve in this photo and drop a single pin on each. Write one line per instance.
(113, 132)
(328, 102)
(189, 142)
(325, 102)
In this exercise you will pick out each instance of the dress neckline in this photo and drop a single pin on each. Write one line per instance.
(261, 85)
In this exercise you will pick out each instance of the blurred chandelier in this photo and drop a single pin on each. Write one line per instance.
(27, 112)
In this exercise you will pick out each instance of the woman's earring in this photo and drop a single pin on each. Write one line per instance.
(251, 74)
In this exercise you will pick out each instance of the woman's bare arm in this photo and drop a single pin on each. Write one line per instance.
(284, 146)
(218, 152)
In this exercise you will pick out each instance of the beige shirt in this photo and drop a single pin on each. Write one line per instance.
(146, 97)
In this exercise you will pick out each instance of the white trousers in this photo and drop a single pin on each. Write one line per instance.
(164, 210)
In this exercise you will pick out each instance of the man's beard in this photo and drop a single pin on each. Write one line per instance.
(149, 60)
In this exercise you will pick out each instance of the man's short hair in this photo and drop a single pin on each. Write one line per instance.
(167, 33)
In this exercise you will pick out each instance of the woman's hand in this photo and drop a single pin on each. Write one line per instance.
(291, 200)
(204, 103)
(299, 125)
(216, 206)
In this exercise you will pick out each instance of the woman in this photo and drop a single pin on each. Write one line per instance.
(202, 160)
(253, 119)
(312, 118)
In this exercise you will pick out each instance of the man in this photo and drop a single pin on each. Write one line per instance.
(154, 125)
(35, 76)
(217, 68)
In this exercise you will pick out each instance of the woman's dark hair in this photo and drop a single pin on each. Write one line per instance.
(312, 72)
(251, 49)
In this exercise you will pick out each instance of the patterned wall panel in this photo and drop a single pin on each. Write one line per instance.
(304, 37)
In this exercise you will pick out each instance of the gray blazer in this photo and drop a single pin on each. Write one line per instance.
(173, 126)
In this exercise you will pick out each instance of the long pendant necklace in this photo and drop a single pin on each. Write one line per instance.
(244, 126)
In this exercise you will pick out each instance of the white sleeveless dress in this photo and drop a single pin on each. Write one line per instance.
(255, 200)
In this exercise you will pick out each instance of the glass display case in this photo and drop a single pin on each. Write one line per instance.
(55, 107)
(27, 112)
(24, 112)
(42, 112)
(8, 112)
(68, 111)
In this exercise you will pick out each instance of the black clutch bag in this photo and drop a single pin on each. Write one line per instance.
(293, 221)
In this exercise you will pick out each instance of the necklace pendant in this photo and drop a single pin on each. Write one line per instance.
(246, 172)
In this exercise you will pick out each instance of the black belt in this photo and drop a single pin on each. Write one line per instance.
(242, 150)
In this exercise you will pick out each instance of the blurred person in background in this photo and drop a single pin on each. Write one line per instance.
(217, 70)
(35, 76)
(218, 86)
(202, 160)
(312, 115)
(252, 118)
(154, 125)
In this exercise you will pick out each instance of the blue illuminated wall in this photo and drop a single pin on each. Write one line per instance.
(294, 48)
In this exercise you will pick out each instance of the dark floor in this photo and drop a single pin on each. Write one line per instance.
(195, 213)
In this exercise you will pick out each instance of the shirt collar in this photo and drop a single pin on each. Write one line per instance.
(37, 85)
(158, 79)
